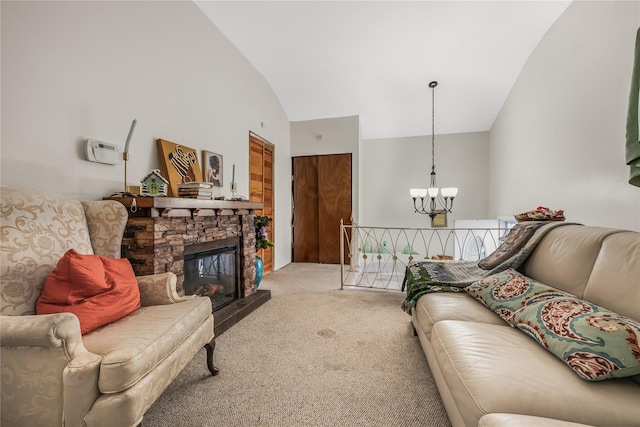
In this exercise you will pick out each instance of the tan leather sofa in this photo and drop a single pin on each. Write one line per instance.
(51, 374)
(484, 366)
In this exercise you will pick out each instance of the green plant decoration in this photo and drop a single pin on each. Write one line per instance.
(262, 238)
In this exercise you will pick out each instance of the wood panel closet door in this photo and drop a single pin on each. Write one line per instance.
(321, 198)
(261, 188)
(305, 209)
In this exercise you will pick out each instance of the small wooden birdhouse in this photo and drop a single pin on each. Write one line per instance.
(154, 184)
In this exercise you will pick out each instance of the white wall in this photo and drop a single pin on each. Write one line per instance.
(325, 136)
(78, 70)
(390, 167)
(559, 138)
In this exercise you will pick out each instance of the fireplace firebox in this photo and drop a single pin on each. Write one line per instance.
(213, 273)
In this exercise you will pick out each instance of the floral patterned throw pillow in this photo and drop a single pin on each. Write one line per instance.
(593, 341)
(509, 291)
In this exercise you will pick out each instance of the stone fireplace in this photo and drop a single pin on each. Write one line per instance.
(162, 231)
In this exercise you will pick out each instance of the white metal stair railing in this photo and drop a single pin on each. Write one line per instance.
(377, 257)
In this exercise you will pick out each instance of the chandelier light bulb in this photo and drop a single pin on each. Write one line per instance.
(449, 192)
(418, 192)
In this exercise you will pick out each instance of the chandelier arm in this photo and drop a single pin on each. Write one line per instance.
(444, 202)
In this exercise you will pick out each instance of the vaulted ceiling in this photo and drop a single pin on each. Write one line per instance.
(375, 59)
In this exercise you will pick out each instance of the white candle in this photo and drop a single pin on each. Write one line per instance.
(133, 126)
(233, 174)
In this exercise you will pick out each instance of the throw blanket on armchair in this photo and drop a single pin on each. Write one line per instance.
(428, 276)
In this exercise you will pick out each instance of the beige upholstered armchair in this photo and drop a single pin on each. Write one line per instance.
(51, 375)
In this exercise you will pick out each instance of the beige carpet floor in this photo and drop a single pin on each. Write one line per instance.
(313, 355)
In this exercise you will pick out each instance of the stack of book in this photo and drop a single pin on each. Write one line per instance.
(196, 190)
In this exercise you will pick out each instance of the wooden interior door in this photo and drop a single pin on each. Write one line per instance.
(261, 188)
(334, 203)
(321, 198)
(305, 209)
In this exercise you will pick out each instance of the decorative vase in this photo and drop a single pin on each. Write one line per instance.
(259, 267)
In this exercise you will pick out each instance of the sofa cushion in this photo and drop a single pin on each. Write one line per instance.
(97, 289)
(518, 420)
(564, 257)
(508, 291)
(134, 345)
(489, 368)
(593, 341)
(432, 308)
(618, 258)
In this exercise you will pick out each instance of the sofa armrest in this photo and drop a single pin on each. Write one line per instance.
(159, 289)
(46, 330)
(44, 364)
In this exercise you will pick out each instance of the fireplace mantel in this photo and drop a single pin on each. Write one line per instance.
(178, 206)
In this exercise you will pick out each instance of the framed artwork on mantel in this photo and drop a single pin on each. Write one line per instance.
(212, 168)
(179, 163)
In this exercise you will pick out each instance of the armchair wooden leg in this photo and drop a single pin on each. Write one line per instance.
(210, 346)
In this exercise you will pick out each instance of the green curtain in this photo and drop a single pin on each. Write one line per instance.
(633, 141)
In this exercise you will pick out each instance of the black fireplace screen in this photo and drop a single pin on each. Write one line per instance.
(212, 273)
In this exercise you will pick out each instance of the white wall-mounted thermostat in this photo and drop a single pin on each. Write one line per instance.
(102, 152)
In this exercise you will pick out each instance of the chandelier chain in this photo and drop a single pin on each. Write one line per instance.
(433, 133)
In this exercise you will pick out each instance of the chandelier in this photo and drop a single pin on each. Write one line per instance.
(439, 200)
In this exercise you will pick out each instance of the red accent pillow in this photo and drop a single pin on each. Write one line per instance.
(97, 289)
